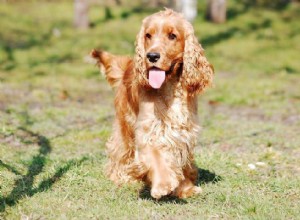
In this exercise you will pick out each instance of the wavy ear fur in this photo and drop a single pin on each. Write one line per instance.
(139, 58)
(197, 72)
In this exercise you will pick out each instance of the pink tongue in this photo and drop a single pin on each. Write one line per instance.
(156, 78)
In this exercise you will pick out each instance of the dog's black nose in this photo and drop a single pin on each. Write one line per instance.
(153, 57)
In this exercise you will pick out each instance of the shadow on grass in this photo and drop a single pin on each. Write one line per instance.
(23, 186)
(31, 40)
(232, 13)
(126, 13)
(229, 33)
(273, 5)
(10, 44)
(10, 168)
(144, 193)
(204, 177)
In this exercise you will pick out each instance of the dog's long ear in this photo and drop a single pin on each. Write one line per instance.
(139, 59)
(197, 72)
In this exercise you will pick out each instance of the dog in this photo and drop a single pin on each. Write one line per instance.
(155, 128)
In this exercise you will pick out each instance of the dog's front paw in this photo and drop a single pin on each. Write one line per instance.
(188, 192)
(187, 189)
(163, 188)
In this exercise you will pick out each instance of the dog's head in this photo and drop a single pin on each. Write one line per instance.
(167, 47)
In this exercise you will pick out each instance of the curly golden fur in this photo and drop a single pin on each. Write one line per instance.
(155, 129)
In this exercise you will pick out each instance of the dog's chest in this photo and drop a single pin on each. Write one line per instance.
(166, 121)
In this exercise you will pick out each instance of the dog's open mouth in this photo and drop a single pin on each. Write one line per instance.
(156, 77)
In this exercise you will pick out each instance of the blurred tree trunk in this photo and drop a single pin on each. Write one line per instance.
(152, 3)
(216, 11)
(81, 19)
(188, 8)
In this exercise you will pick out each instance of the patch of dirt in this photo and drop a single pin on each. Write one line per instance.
(289, 117)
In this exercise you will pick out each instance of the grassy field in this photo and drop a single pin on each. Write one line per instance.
(56, 113)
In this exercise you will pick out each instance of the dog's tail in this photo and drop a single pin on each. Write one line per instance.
(114, 66)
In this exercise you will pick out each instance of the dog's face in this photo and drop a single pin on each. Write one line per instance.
(164, 47)
(164, 42)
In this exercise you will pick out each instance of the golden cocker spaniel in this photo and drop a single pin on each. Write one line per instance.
(155, 129)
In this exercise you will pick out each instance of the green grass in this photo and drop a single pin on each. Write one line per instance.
(56, 114)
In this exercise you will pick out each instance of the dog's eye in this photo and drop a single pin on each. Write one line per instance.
(172, 36)
(148, 36)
